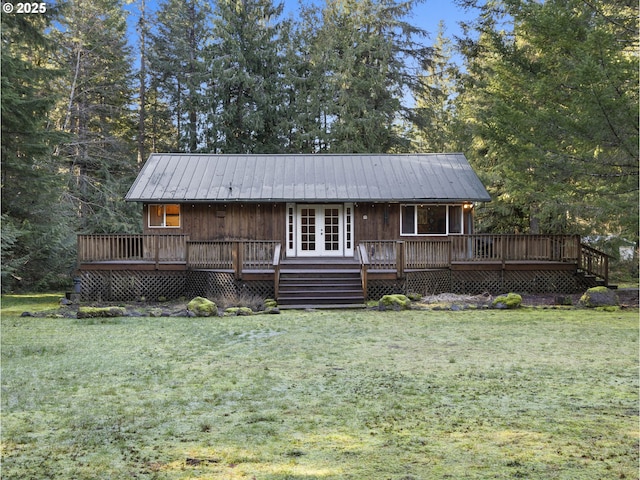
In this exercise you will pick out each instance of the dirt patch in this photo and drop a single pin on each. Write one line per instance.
(628, 299)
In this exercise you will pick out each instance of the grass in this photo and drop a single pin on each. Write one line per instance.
(536, 394)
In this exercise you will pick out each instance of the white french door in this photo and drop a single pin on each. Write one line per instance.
(320, 231)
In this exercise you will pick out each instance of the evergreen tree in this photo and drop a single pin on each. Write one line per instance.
(552, 107)
(365, 55)
(100, 157)
(36, 230)
(435, 129)
(177, 66)
(247, 113)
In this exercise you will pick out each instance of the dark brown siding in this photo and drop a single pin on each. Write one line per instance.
(248, 221)
(382, 221)
(266, 221)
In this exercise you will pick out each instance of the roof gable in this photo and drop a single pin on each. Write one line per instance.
(175, 177)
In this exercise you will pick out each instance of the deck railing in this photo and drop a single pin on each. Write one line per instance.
(130, 248)
(526, 248)
(212, 255)
(242, 255)
(236, 255)
(594, 262)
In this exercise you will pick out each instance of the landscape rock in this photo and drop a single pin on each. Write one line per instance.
(202, 307)
(238, 311)
(599, 297)
(270, 303)
(508, 301)
(394, 302)
(99, 312)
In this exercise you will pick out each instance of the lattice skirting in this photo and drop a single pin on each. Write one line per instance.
(377, 289)
(220, 284)
(497, 282)
(430, 282)
(125, 285)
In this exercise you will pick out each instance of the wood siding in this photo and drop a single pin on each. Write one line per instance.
(381, 221)
(267, 221)
(246, 221)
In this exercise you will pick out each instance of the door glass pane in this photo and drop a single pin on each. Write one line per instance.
(308, 229)
(331, 229)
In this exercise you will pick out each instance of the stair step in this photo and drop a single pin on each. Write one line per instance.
(300, 300)
(322, 272)
(314, 306)
(334, 283)
(320, 291)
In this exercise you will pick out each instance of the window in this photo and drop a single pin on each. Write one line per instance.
(455, 219)
(164, 216)
(431, 219)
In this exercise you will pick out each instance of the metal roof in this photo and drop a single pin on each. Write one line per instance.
(433, 177)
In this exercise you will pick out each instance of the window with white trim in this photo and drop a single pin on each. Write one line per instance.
(164, 216)
(431, 219)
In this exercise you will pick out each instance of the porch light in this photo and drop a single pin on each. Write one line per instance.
(467, 206)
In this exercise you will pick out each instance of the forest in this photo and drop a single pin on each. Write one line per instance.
(542, 97)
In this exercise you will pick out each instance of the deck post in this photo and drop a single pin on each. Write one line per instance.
(276, 270)
(237, 259)
(364, 267)
(400, 258)
(157, 252)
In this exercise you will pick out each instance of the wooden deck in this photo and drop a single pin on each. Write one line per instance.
(376, 261)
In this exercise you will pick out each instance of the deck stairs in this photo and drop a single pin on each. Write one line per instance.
(592, 281)
(320, 283)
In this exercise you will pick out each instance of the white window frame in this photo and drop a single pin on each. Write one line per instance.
(415, 219)
(292, 225)
(164, 215)
(348, 215)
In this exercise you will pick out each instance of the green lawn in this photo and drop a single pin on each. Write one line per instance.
(535, 394)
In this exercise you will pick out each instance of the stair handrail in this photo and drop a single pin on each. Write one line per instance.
(594, 262)
(363, 256)
(277, 249)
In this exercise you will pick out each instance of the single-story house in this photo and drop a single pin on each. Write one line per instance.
(314, 229)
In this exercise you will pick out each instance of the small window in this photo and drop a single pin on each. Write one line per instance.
(164, 216)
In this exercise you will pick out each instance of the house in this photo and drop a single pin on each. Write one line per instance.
(318, 229)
